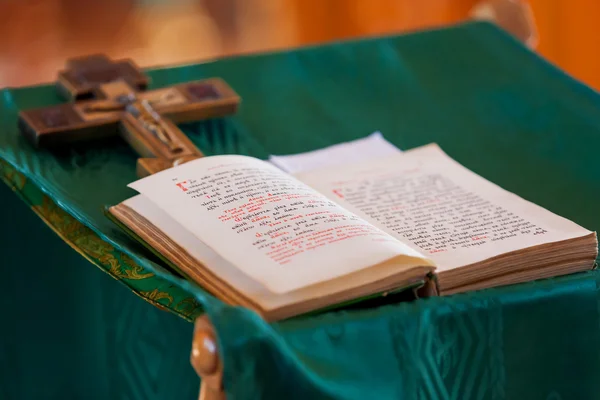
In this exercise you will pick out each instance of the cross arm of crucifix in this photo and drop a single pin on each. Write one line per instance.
(117, 103)
(97, 118)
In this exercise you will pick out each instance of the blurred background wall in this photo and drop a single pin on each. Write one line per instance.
(37, 35)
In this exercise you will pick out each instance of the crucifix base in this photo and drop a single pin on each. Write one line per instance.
(148, 166)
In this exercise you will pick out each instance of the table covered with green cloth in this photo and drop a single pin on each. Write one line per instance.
(487, 101)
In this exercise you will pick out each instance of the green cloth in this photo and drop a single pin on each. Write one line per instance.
(70, 332)
(490, 104)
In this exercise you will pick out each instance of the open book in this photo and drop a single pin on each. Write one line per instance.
(285, 245)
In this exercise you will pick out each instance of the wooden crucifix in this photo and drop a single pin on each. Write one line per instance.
(111, 98)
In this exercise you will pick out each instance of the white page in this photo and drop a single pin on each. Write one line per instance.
(440, 208)
(235, 277)
(195, 247)
(271, 226)
(370, 147)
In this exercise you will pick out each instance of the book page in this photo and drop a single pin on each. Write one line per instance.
(427, 200)
(244, 284)
(274, 228)
(351, 152)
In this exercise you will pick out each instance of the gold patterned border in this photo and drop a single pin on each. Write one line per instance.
(144, 283)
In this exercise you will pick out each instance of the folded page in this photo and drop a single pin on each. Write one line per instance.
(370, 147)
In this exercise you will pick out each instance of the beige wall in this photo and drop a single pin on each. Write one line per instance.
(37, 35)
